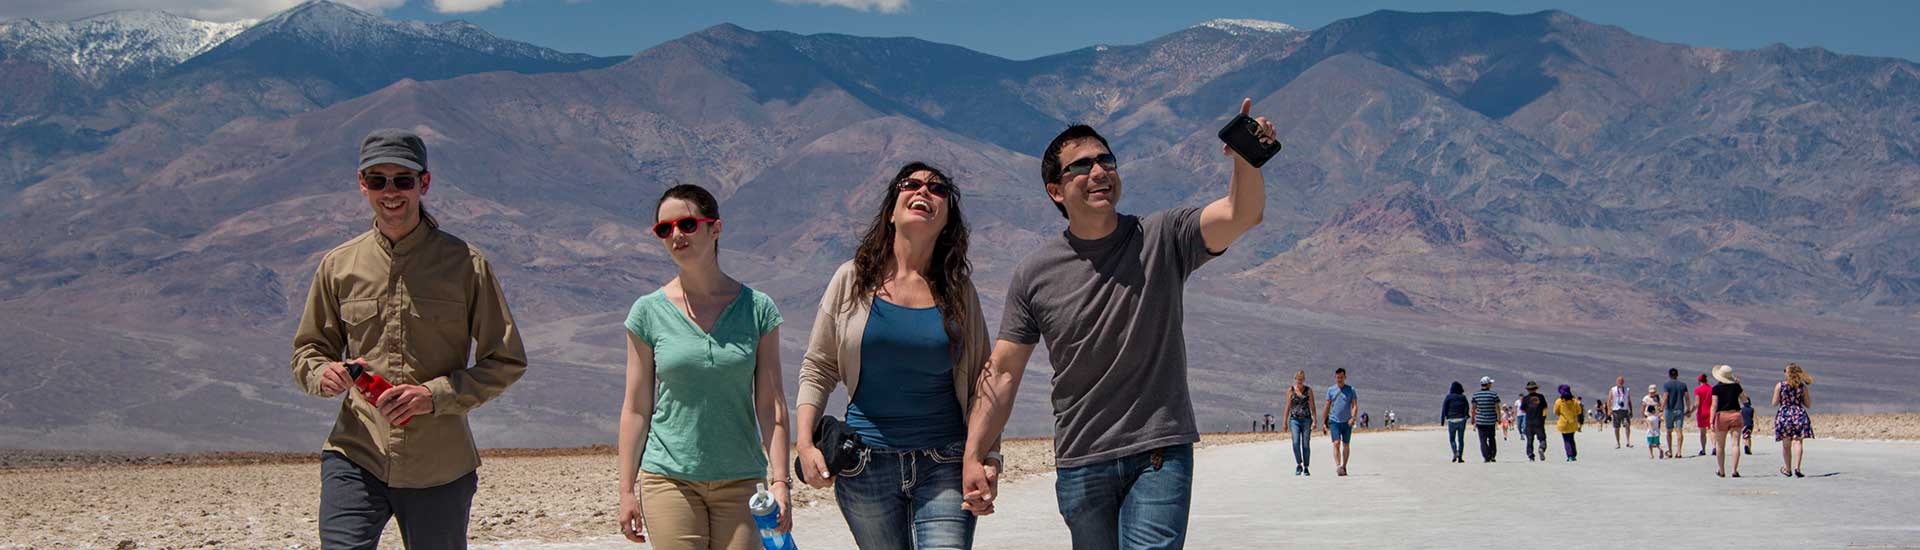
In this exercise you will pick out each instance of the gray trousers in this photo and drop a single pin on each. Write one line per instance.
(355, 506)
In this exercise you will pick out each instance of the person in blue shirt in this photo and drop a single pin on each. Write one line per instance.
(1342, 404)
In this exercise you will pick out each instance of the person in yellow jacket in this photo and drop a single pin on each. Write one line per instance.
(1569, 410)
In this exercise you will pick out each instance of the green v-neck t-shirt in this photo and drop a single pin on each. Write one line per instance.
(703, 419)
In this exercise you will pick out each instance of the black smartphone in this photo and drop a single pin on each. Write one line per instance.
(1243, 135)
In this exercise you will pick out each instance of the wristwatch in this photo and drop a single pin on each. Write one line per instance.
(998, 460)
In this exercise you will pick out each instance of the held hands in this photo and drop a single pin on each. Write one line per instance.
(1266, 129)
(632, 522)
(404, 402)
(980, 480)
(813, 467)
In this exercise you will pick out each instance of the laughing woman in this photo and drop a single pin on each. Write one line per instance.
(902, 327)
(703, 382)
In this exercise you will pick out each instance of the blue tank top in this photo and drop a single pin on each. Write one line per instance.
(905, 398)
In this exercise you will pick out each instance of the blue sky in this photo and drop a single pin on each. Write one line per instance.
(1023, 29)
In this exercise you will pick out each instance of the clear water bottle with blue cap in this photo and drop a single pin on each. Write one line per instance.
(766, 517)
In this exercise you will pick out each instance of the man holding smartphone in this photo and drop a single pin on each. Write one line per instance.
(404, 301)
(1107, 298)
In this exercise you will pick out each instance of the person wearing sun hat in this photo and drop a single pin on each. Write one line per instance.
(1569, 409)
(1726, 415)
(1533, 407)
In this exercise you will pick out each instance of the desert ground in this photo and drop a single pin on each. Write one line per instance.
(563, 497)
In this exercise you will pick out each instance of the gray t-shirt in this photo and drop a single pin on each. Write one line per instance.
(1110, 311)
(1677, 393)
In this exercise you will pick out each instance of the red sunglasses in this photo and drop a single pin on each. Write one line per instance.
(686, 225)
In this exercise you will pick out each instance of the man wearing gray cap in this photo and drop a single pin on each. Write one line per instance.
(402, 303)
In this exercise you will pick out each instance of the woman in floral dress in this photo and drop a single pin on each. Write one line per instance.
(1791, 426)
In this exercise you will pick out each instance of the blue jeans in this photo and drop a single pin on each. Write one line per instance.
(1301, 430)
(1133, 502)
(1457, 434)
(906, 500)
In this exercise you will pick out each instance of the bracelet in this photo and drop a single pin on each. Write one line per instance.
(788, 481)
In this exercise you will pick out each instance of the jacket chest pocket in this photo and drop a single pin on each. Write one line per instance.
(438, 324)
(360, 319)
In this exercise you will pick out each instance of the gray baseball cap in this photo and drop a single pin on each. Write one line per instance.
(393, 146)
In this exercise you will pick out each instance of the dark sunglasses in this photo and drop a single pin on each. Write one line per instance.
(1084, 166)
(939, 189)
(686, 225)
(375, 182)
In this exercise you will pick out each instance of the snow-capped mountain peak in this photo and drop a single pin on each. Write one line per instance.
(1248, 26)
(340, 27)
(103, 48)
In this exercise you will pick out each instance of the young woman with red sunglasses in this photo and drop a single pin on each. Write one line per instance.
(703, 382)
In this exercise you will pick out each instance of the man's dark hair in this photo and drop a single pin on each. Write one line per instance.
(1341, 370)
(1673, 373)
(1050, 161)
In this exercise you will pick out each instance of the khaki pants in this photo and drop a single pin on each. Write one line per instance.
(698, 515)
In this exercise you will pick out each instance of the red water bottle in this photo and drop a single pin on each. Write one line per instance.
(371, 385)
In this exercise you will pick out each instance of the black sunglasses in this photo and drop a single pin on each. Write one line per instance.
(938, 188)
(1084, 166)
(375, 182)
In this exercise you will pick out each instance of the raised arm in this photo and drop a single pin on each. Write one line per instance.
(1227, 218)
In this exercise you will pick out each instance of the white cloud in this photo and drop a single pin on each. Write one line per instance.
(209, 10)
(882, 6)
(465, 6)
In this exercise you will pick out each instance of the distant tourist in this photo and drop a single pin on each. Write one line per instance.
(408, 303)
(1598, 414)
(1679, 401)
(1791, 425)
(1746, 419)
(1486, 406)
(1569, 409)
(1622, 411)
(1454, 412)
(1342, 404)
(1300, 423)
(1519, 417)
(1725, 401)
(1703, 411)
(1533, 408)
(1650, 407)
(1506, 420)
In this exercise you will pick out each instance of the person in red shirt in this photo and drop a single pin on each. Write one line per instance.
(1702, 413)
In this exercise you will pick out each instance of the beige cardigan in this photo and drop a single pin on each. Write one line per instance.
(833, 352)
